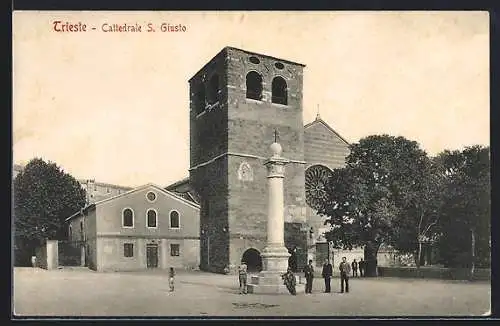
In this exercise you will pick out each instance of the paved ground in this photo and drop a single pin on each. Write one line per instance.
(80, 292)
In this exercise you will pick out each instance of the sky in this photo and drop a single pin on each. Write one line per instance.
(115, 106)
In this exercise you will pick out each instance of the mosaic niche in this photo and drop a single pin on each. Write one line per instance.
(245, 172)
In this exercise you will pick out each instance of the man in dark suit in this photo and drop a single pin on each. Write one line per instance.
(361, 267)
(345, 271)
(327, 275)
(309, 275)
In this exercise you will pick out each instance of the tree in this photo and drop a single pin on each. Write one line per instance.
(466, 212)
(44, 196)
(420, 207)
(366, 197)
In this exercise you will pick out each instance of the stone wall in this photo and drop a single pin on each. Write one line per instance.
(47, 255)
(435, 273)
(234, 132)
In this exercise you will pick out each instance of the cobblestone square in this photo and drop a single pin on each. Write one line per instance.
(81, 292)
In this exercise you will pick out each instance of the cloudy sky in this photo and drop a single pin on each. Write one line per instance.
(114, 106)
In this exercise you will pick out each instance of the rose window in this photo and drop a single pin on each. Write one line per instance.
(316, 180)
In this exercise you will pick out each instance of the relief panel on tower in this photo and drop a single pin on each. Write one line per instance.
(245, 172)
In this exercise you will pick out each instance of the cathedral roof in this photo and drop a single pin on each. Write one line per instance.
(320, 121)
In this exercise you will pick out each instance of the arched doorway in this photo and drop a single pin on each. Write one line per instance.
(253, 260)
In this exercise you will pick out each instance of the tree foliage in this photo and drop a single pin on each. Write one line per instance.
(367, 196)
(466, 210)
(391, 192)
(44, 196)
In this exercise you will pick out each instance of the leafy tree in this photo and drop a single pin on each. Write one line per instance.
(466, 212)
(366, 197)
(418, 222)
(44, 196)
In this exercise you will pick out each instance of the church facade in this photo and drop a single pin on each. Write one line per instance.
(239, 102)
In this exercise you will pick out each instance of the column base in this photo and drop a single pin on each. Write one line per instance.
(275, 259)
(271, 283)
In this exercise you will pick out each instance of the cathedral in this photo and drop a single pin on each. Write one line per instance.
(240, 102)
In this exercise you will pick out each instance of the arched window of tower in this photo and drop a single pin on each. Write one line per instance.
(279, 89)
(213, 89)
(254, 85)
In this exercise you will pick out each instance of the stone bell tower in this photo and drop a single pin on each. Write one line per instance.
(237, 102)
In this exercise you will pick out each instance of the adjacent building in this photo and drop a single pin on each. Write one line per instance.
(146, 227)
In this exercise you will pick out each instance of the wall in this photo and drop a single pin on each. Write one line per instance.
(323, 146)
(109, 213)
(251, 126)
(91, 239)
(111, 257)
(435, 273)
(47, 255)
(111, 236)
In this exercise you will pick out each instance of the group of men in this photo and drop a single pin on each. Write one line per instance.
(345, 270)
(289, 277)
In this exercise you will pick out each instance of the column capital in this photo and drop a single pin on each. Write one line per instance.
(276, 168)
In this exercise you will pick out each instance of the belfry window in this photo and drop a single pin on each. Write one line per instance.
(213, 89)
(254, 86)
(279, 87)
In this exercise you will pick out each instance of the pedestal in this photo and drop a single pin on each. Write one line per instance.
(270, 281)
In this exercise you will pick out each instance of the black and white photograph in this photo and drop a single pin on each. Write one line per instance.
(251, 164)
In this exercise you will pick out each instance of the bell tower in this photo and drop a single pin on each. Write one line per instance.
(240, 102)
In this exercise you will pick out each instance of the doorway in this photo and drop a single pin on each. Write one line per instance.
(253, 260)
(152, 255)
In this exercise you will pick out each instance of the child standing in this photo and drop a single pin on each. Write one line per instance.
(171, 275)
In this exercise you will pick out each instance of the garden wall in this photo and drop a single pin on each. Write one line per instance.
(480, 274)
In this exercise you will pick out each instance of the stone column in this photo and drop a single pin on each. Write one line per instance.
(275, 255)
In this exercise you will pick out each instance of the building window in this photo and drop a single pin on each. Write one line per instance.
(151, 196)
(174, 220)
(280, 95)
(70, 232)
(254, 85)
(128, 250)
(128, 218)
(152, 217)
(175, 249)
(213, 90)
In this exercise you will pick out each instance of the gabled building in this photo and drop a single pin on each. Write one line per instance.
(146, 227)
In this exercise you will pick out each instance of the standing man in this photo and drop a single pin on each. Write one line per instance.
(354, 268)
(345, 271)
(327, 275)
(242, 275)
(361, 267)
(309, 275)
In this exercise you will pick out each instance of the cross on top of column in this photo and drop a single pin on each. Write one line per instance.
(276, 135)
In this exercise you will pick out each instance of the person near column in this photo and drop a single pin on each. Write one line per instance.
(345, 271)
(354, 266)
(327, 275)
(242, 276)
(309, 275)
(290, 281)
(361, 267)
